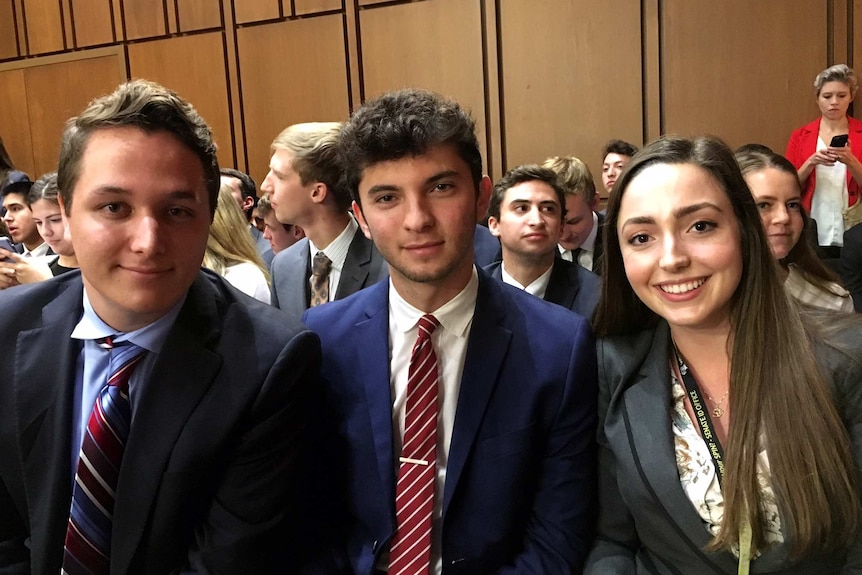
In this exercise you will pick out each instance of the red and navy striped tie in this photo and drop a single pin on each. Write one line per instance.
(410, 551)
(88, 535)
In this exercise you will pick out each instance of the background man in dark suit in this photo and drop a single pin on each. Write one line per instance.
(526, 213)
(304, 189)
(487, 427)
(581, 239)
(850, 265)
(209, 437)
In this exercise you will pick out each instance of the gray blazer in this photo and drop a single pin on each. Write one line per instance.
(290, 270)
(647, 525)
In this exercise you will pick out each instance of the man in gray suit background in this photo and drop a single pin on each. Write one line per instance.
(335, 259)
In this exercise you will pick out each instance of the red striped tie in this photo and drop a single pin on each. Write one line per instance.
(88, 535)
(410, 552)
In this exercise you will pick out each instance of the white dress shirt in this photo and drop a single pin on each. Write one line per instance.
(37, 252)
(450, 345)
(829, 200)
(537, 288)
(336, 251)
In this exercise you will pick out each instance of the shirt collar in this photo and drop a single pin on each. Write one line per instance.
(337, 250)
(537, 287)
(40, 250)
(150, 337)
(455, 315)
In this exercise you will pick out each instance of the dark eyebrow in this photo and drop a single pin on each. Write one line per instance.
(687, 210)
(116, 190)
(379, 188)
(677, 213)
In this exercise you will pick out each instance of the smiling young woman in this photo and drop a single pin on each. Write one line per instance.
(722, 436)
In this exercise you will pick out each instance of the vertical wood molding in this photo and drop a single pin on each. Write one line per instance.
(119, 29)
(354, 57)
(171, 14)
(21, 17)
(234, 87)
(68, 24)
(651, 36)
(840, 37)
(493, 111)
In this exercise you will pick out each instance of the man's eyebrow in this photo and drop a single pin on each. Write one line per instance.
(440, 176)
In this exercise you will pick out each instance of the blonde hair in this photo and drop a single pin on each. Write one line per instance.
(314, 147)
(229, 242)
(837, 73)
(574, 175)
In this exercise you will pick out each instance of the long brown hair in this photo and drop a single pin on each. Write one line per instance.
(803, 254)
(778, 389)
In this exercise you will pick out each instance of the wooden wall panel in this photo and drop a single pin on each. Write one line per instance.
(857, 40)
(741, 70)
(200, 78)
(8, 40)
(48, 113)
(44, 26)
(314, 6)
(286, 82)
(14, 124)
(144, 18)
(571, 78)
(447, 60)
(92, 21)
(255, 10)
(198, 14)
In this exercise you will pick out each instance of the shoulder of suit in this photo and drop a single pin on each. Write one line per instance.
(292, 254)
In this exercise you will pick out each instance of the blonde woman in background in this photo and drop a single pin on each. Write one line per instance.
(231, 252)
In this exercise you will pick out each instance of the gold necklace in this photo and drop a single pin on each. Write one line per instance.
(718, 411)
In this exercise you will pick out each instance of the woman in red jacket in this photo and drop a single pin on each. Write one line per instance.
(827, 153)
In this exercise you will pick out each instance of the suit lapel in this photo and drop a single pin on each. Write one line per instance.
(374, 367)
(487, 346)
(183, 372)
(563, 284)
(647, 405)
(355, 271)
(297, 280)
(44, 398)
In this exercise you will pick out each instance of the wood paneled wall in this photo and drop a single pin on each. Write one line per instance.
(541, 77)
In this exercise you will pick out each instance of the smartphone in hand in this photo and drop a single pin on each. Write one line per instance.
(838, 141)
(6, 244)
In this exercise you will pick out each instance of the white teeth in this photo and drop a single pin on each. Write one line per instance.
(682, 288)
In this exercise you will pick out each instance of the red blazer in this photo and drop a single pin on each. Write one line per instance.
(803, 143)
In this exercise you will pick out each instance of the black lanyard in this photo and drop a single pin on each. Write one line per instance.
(701, 413)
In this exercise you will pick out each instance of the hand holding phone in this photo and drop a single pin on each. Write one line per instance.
(839, 141)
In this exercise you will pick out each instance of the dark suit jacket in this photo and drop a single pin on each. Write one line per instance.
(570, 286)
(520, 477)
(486, 247)
(291, 269)
(850, 265)
(647, 524)
(599, 245)
(218, 439)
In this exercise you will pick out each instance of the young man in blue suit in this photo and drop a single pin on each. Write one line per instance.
(464, 409)
(196, 446)
(526, 213)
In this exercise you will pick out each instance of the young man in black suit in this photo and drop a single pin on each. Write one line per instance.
(526, 213)
(197, 445)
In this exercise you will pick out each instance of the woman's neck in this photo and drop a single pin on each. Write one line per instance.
(706, 351)
(68, 261)
(833, 126)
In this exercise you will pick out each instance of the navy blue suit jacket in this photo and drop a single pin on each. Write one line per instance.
(571, 286)
(519, 493)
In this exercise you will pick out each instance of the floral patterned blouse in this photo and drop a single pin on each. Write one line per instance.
(699, 477)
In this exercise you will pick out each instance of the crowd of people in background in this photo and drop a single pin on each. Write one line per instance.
(672, 386)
